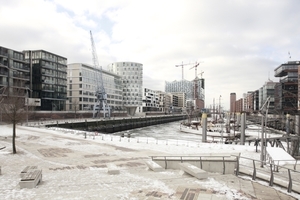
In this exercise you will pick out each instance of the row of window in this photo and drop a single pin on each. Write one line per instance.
(18, 56)
(53, 95)
(53, 66)
(53, 80)
(51, 87)
(92, 100)
(46, 56)
(18, 65)
(20, 74)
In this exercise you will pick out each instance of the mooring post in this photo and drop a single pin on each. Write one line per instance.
(204, 127)
(243, 127)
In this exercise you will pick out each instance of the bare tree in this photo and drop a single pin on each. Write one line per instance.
(75, 106)
(14, 111)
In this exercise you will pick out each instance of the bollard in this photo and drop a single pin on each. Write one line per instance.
(85, 135)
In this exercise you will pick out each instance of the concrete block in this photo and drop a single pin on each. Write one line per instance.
(193, 170)
(27, 169)
(31, 179)
(112, 169)
(154, 166)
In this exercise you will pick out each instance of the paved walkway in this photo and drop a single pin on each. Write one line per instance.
(76, 169)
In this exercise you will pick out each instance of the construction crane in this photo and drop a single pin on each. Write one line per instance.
(100, 93)
(182, 65)
(196, 83)
(201, 74)
(195, 66)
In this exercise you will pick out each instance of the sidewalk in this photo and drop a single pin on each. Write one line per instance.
(75, 168)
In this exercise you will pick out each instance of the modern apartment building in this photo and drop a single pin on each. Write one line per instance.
(14, 73)
(181, 96)
(164, 101)
(232, 102)
(239, 106)
(150, 100)
(267, 91)
(48, 79)
(248, 102)
(286, 92)
(82, 83)
(132, 80)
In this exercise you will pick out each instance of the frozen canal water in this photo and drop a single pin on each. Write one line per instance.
(169, 131)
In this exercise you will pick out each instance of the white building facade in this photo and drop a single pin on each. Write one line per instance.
(132, 81)
(81, 87)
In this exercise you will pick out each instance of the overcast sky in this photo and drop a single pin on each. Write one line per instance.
(238, 43)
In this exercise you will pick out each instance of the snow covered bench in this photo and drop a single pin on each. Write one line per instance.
(112, 168)
(193, 170)
(154, 166)
(279, 157)
(30, 177)
(27, 169)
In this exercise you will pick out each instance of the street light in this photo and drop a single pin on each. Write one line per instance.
(220, 107)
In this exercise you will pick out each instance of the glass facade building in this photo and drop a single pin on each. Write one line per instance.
(49, 79)
(286, 91)
(14, 73)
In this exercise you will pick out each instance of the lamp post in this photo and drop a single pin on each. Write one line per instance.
(220, 107)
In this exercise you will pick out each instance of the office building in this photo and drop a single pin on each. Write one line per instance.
(82, 82)
(48, 79)
(14, 73)
(132, 81)
(286, 91)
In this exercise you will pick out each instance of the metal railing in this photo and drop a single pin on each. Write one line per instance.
(201, 159)
(269, 170)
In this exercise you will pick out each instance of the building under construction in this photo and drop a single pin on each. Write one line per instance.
(194, 90)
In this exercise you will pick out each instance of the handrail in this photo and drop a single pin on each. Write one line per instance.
(195, 156)
(200, 158)
(271, 166)
(295, 165)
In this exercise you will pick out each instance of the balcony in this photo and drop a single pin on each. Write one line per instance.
(283, 69)
(3, 73)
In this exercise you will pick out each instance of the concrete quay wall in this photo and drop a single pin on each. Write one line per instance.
(117, 124)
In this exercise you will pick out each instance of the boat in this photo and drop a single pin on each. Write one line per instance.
(214, 131)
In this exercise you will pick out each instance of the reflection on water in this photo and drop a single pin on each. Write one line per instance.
(161, 132)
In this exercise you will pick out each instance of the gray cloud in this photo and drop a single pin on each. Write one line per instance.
(239, 42)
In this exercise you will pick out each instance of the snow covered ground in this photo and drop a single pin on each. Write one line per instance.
(74, 167)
